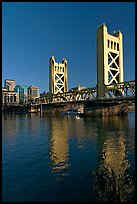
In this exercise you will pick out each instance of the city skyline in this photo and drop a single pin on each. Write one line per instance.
(33, 32)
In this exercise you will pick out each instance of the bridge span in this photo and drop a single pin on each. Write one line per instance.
(117, 99)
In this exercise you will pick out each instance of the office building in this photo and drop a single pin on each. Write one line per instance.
(9, 84)
(33, 93)
(22, 91)
(9, 97)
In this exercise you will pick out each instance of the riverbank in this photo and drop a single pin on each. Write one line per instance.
(89, 111)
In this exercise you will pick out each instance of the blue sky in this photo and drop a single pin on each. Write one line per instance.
(34, 31)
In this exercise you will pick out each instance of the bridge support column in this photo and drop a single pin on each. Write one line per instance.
(99, 109)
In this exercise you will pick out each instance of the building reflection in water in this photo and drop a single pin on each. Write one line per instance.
(59, 150)
(9, 127)
(113, 181)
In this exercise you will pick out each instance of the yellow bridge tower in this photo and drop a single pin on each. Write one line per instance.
(109, 59)
(57, 77)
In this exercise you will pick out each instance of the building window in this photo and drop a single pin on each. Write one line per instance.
(10, 98)
(14, 98)
(5, 99)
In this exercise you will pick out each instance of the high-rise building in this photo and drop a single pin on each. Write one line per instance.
(33, 92)
(22, 91)
(9, 84)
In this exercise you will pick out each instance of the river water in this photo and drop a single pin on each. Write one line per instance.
(62, 158)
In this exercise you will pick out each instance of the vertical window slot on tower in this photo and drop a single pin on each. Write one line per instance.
(117, 46)
(114, 45)
(108, 43)
(111, 44)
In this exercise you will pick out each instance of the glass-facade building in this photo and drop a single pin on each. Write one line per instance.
(22, 91)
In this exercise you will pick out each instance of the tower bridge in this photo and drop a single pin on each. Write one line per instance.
(110, 91)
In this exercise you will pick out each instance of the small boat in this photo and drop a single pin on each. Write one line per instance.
(71, 112)
(77, 117)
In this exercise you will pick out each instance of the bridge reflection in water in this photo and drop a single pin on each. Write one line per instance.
(68, 159)
(113, 177)
(113, 181)
(59, 149)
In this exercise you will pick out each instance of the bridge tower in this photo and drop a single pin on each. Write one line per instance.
(57, 77)
(109, 59)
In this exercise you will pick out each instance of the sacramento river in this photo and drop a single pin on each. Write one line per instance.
(62, 158)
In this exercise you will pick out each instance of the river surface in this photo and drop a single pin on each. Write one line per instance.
(65, 159)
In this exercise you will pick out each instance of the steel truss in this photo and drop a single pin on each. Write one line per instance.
(59, 83)
(113, 68)
(123, 89)
(120, 90)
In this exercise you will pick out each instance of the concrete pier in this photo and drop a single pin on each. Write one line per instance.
(106, 109)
